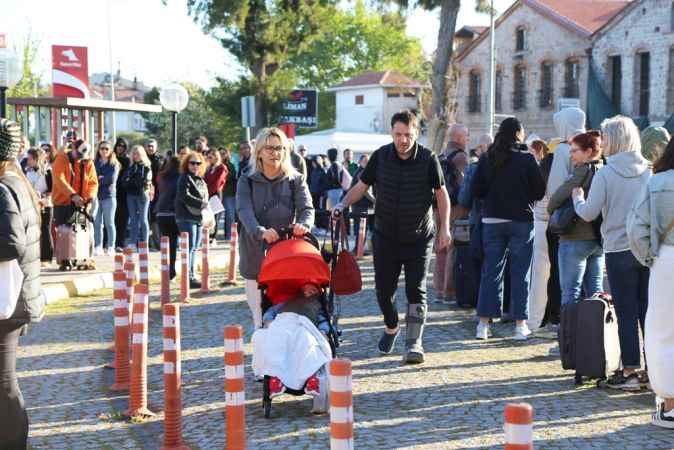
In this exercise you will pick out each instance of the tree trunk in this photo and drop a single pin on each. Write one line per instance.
(443, 78)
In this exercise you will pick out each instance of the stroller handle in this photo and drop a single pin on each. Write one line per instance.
(286, 233)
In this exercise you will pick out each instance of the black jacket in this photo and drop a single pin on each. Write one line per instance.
(156, 161)
(20, 239)
(230, 184)
(510, 191)
(191, 198)
(137, 179)
(167, 185)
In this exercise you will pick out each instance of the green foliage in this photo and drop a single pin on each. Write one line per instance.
(133, 138)
(30, 83)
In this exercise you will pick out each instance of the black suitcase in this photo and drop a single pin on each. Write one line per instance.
(466, 276)
(597, 343)
(568, 322)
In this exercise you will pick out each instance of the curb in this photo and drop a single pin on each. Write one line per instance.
(86, 285)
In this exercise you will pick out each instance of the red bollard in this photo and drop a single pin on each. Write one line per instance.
(138, 389)
(235, 392)
(119, 262)
(128, 254)
(205, 284)
(519, 430)
(341, 405)
(360, 247)
(231, 275)
(184, 267)
(165, 295)
(121, 315)
(173, 439)
(130, 270)
(144, 263)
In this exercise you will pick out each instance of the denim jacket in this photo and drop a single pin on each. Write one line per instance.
(650, 216)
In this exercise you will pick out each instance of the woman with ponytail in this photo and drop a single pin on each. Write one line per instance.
(509, 182)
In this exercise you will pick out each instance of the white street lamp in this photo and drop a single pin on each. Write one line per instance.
(10, 74)
(174, 97)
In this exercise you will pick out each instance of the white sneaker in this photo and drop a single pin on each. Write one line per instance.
(110, 251)
(522, 332)
(482, 332)
(98, 251)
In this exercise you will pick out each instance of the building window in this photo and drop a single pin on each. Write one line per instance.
(474, 89)
(671, 18)
(360, 99)
(615, 66)
(572, 79)
(546, 93)
(520, 88)
(498, 100)
(670, 83)
(410, 95)
(393, 94)
(643, 82)
(520, 39)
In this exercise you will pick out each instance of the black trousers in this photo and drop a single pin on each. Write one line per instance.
(121, 220)
(389, 259)
(554, 288)
(13, 416)
(168, 227)
(46, 241)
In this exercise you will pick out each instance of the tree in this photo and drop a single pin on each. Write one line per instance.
(264, 35)
(30, 83)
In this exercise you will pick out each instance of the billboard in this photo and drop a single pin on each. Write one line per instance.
(70, 71)
(300, 108)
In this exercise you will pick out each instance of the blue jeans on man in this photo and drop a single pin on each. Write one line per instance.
(501, 241)
(229, 202)
(581, 265)
(105, 217)
(629, 287)
(193, 230)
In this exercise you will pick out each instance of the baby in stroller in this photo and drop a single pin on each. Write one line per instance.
(297, 341)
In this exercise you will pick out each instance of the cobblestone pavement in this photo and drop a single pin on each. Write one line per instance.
(455, 400)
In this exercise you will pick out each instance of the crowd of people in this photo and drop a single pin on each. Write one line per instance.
(520, 226)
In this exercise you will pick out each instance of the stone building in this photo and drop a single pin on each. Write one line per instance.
(542, 61)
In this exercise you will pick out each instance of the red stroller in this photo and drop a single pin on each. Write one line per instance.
(288, 265)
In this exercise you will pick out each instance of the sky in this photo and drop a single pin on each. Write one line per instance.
(155, 42)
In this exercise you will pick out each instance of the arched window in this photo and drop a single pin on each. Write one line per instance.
(546, 93)
(498, 91)
(520, 88)
(572, 78)
(642, 80)
(520, 39)
(474, 90)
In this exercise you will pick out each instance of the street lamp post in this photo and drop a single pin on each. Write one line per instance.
(10, 73)
(174, 98)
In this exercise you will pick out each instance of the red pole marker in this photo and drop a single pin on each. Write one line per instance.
(165, 295)
(235, 397)
(128, 254)
(184, 269)
(519, 430)
(130, 270)
(173, 439)
(231, 276)
(205, 285)
(138, 389)
(360, 248)
(144, 263)
(341, 405)
(119, 262)
(121, 316)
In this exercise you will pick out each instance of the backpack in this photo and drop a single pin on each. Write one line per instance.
(335, 174)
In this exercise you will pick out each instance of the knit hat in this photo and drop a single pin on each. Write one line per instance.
(653, 142)
(10, 140)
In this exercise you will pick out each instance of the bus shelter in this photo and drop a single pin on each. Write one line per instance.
(49, 119)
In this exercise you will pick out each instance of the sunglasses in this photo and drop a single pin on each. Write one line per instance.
(195, 163)
(274, 148)
(105, 148)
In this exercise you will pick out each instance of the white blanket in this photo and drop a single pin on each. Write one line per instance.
(291, 349)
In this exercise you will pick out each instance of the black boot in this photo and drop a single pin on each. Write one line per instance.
(415, 319)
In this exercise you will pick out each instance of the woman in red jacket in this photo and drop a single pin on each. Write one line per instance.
(215, 177)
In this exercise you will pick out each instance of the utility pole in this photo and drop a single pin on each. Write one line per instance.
(113, 128)
(492, 72)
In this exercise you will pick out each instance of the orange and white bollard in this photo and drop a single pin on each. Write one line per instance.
(235, 397)
(184, 267)
(231, 275)
(138, 389)
(128, 254)
(205, 284)
(519, 430)
(144, 263)
(130, 270)
(121, 316)
(119, 262)
(341, 405)
(173, 436)
(165, 295)
(362, 231)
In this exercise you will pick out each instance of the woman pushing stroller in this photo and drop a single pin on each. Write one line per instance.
(270, 196)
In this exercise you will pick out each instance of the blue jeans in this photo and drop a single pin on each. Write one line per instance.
(503, 241)
(194, 231)
(581, 264)
(105, 217)
(629, 287)
(229, 202)
(139, 225)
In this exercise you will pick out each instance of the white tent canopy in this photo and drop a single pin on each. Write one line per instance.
(319, 142)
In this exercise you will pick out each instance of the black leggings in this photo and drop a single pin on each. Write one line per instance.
(13, 416)
(168, 227)
(46, 241)
(554, 289)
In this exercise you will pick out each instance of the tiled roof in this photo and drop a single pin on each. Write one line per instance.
(588, 15)
(387, 78)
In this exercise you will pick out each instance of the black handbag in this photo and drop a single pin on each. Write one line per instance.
(563, 219)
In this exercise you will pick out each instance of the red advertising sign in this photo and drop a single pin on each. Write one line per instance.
(3, 40)
(70, 71)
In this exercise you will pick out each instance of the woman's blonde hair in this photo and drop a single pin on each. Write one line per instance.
(14, 168)
(261, 141)
(620, 134)
(143, 155)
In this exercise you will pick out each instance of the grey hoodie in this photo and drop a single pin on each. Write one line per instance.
(614, 190)
(568, 123)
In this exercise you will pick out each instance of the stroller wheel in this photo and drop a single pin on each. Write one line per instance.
(266, 399)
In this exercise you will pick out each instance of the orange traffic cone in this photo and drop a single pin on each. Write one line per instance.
(235, 397)
(519, 431)
(341, 405)
(173, 439)
(121, 316)
(138, 389)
